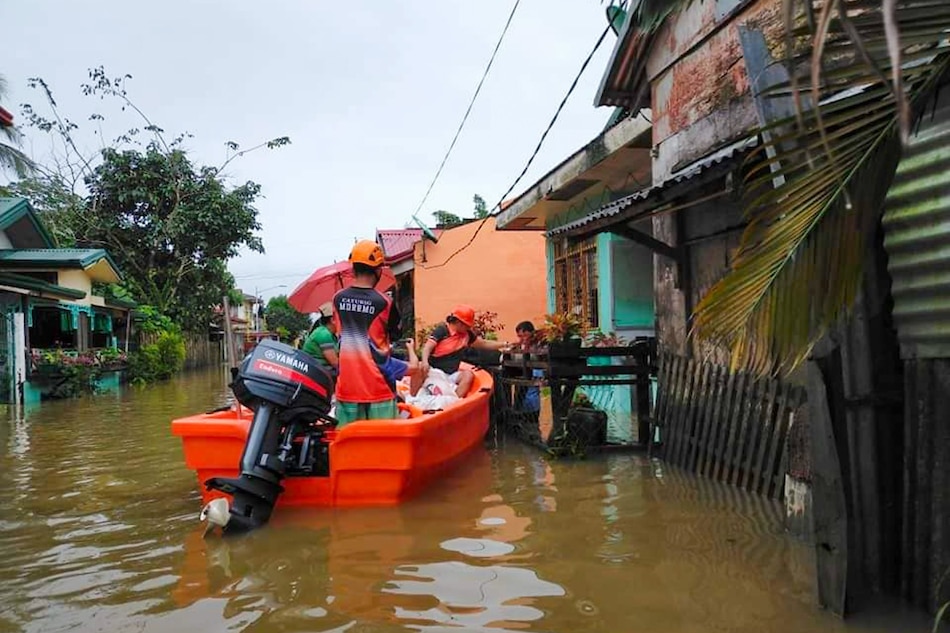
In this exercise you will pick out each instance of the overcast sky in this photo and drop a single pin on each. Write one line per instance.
(370, 94)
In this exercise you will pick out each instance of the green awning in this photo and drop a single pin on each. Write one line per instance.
(25, 282)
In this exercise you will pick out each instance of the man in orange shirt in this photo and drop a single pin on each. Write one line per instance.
(446, 345)
(366, 367)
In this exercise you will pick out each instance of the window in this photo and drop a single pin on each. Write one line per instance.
(575, 279)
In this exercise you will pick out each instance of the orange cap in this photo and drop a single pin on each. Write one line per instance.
(465, 314)
(367, 252)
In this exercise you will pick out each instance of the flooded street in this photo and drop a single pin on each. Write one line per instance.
(99, 532)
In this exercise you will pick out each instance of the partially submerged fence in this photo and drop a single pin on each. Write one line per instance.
(727, 426)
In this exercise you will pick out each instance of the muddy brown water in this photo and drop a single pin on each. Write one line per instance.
(99, 532)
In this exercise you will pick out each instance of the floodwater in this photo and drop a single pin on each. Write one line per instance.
(99, 532)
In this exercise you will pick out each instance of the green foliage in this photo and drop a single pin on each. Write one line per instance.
(159, 360)
(560, 326)
(285, 319)
(77, 380)
(150, 321)
(11, 158)
(481, 210)
(446, 219)
(171, 225)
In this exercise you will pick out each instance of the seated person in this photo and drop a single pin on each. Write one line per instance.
(528, 399)
(443, 350)
(322, 343)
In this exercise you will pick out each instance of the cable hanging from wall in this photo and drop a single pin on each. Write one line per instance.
(497, 208)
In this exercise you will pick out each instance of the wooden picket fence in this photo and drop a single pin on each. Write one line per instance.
(731, 427)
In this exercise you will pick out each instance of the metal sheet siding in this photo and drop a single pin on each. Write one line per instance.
(917, 239)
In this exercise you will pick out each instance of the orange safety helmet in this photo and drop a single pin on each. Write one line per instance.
(465, 314)
(367, 252)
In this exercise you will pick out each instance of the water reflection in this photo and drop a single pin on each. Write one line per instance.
(474, 597)
(98, 531)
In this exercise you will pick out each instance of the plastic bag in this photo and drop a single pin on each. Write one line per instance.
(437, 392)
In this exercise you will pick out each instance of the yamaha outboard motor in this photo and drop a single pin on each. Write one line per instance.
(289, 393)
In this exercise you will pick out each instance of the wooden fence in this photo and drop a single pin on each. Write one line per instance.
(727, 426)
(199, 351)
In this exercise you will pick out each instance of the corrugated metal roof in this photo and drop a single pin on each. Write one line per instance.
(397, 244)
(917, 240)
(12, 212)
(616, 207)
(65, 257)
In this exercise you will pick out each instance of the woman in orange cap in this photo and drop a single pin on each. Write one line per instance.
(446, 345)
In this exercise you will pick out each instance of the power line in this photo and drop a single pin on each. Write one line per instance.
(497, 208)
(469, 109)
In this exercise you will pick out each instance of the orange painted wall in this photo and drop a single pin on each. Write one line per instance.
(501, 271)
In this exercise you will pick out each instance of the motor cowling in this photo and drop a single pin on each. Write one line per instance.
(285, 377)
(290, 394)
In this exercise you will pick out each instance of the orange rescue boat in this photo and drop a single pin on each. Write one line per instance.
(370, 462)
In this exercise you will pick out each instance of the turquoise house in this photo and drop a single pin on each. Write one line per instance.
(607, 279)
(48, 307)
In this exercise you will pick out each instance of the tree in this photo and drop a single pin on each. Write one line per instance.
(170, 225)
(283, 317)
(444, 218)
(481, 210)
(11, 158)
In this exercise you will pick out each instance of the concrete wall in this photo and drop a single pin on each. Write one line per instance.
(77, 280)
(700, 94)
(500, 271)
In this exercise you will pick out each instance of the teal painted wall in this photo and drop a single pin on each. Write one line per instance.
(632, 268)
(625, 306)
(549, 249)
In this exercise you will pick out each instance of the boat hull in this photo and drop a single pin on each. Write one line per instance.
(372, 462)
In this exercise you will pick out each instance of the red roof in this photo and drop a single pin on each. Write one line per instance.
(398, 243)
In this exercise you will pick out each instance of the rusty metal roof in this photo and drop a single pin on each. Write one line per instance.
(615, 210)
(917, 240)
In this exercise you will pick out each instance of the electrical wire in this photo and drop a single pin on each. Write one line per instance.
(497, 208)
(468, 110)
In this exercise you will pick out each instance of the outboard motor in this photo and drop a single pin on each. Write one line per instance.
(289, 393)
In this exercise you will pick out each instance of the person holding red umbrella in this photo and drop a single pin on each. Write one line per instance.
(362, 316)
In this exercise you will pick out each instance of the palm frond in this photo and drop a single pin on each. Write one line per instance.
(799, 264)
(11, 158)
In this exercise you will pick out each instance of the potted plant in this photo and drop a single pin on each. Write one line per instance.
(584, 427)
(562, 334)
(598, 338)
(487, 327)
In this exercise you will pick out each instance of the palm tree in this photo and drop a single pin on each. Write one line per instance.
(11, 158)
(861, 71)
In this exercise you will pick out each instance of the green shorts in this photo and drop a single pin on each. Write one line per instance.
(347, 412)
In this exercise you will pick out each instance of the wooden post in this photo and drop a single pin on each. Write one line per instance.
(830, 508)
(228, 342)
(128, 330)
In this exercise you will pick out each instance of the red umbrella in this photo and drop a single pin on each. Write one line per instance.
(325, 282)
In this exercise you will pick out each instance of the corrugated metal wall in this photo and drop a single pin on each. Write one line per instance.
(917, 240)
